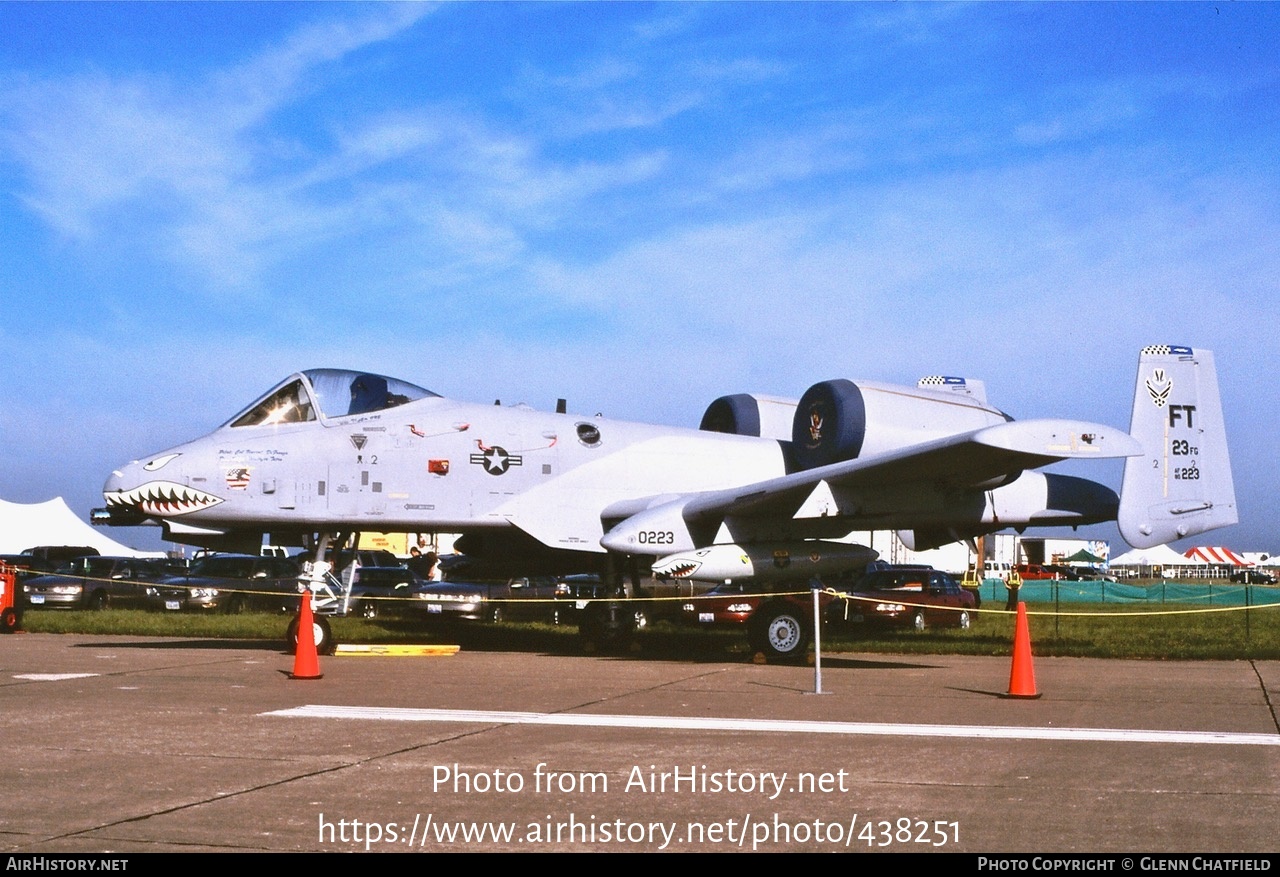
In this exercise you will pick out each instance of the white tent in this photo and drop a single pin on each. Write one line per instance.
(52, 523)
(1159, 555)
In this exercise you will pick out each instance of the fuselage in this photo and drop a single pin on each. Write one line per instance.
(340, 451)
(330, 452)
(425, 464)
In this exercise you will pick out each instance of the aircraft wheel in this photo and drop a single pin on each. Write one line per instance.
(918, 620)
(368, 609)
(495, 614)
(606, 625)
(325, 644)
(98, 601)
(965, 621)
(235, 605)
(642, 619)
(779, 631)
(10, 620)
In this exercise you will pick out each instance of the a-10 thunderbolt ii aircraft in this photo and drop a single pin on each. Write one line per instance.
(330, 452)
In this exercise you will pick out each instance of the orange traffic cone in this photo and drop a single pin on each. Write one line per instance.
(306, 663)
(1022, 678)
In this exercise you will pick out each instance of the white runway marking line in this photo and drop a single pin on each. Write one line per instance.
(784, 726)
(52, 677)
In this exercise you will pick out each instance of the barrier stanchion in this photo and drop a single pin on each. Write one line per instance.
(815, 586)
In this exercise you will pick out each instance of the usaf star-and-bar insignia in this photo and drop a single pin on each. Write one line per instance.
(496, 460)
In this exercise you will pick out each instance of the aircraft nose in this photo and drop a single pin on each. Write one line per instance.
(155, 487)
(120, 480)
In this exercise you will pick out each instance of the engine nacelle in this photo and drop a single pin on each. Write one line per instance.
(750, 414)
(839, 420)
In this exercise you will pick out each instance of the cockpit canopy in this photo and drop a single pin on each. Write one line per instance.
(326, 393)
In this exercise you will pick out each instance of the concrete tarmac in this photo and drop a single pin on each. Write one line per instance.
(126, 744)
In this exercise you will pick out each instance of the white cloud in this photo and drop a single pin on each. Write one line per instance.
(160, 159)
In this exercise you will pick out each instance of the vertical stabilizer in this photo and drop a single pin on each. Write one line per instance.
(1181, 484)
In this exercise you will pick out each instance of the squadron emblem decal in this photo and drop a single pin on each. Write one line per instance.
(238, 478)
(496, 460)
(1159, 386)
(815, 425)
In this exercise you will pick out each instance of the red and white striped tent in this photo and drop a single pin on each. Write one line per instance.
(1215, 555)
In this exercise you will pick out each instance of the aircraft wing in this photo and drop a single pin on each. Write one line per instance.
(987, 456)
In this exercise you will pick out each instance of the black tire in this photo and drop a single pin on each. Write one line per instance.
(965, 620)
(779, 631)
(917, 620)
(325, 644)
(495, 614)
(642, 619)
(10, 620)
(98, 601)
(606, 625)
(367, 609)
(236, 604)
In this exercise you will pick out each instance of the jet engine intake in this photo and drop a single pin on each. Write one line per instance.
(750, 414)
(839, 420)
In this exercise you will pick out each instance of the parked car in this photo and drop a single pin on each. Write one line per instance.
(1253, 577)
(1036, 571)
(47, 558)
(459, 601)
(574, 593)
(1063, 573)
(527, 598)
(387, 590)
(234, 582)
(1093, 574)
(346, 563)
(727, 605)
(20, 564)
(44, 560)
(93, 582)
(916, 597)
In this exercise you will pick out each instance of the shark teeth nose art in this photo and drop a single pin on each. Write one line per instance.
(679, 569)
(162, 498)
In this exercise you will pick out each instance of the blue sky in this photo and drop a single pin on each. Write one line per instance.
(639, 207)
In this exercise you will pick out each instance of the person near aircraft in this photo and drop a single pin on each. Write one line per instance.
(1012, 585)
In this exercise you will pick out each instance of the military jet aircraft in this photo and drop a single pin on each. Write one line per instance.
(329, 452)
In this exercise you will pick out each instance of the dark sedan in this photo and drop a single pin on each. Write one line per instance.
(92, 583)
(460, 601)
(388, 590)
(232, 582)
(912, 597)
(1253, 577)
(528, 598)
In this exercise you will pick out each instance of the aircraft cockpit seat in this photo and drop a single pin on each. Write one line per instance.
(368, 393)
